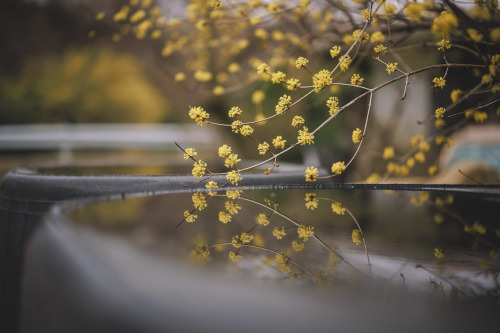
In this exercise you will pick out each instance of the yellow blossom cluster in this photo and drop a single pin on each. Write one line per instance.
(311, 201)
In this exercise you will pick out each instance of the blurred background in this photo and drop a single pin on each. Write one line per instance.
(77, 64)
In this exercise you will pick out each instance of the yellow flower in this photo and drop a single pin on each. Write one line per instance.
(179, 77)
(297, 121)
(322, 79)
(199, 115)
(364, 37)
(356, 236)
(439, 82)
(438, 253)
(337, 208)
(344, 65)
(455, 95)
(224, 151)
(263, 68)
(236, 126)
(199, 169)
(475, 35)
(190, 153)
(301, 62)
(199, 201)
(262, 219)
(311, 174)
(234, 111)
(480, 116)
(283, 104)
(234, 177)
(258, 96)
(356, 79)
(292, 84)
(333, 105)
(335, 51)
(380, 49)
(279, 233)
(415, 11)
(279, 142)
(231, 160)
(233, 194)
(419, 157)
(440, 112)
(263, 148)
(377, 37)
(137, 16)
(410, 163)
(311, 201)
(122, 14)
(444, 45)
(305, 137)
(305, 232)
(297, 246)
(99, 16)
(432, 170)
(357, 135)
(444, 23)
(278, 77)
(246, 130)
(234, 257)
(388, 153)
(366, 14)
(338, 168)
(224, 217)
(391, 67)
(438, 218)
(189, 217)
(232, 207)
(211, 185)
(373, 178)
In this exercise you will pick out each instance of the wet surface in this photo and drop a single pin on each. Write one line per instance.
(438, 243)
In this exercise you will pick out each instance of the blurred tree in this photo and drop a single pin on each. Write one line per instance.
(88, 85)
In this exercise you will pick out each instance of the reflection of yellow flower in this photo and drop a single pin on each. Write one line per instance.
(356, 236)
(200, 252)
(283, 263)
(373, 178)
(279, 232)
(311, 201)
(189, 217)
(232, 207)
(262, 219)
(234, 257)
(199, 201)
(233, 194)
(297, 246)
(224, 217)
(438, 253)
(337, 208)
(305, 232)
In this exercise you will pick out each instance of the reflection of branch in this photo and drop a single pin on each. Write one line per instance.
(275, 211)
(269, 250)
(357, 224)
(443, 278)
